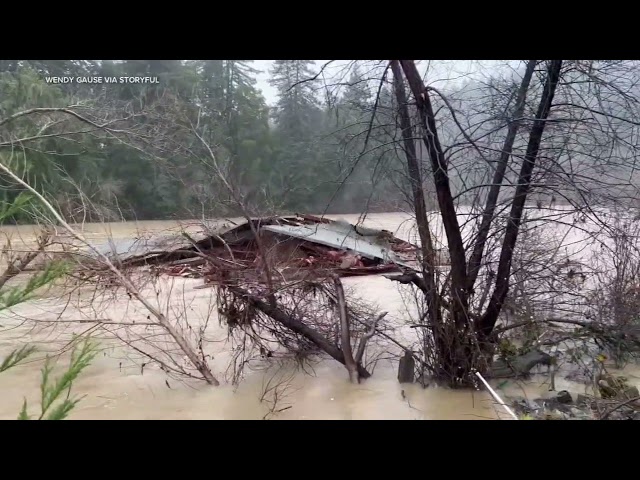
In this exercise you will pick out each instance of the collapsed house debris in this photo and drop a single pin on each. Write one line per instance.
(299, 259)
(298, 247)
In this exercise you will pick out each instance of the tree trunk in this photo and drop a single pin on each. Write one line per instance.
(461, 353)
(297, 326)
(428, 284)
(415, 177)
(489, 319)
(345, 333)
(459, 295)
(452, 337)
(498, 177)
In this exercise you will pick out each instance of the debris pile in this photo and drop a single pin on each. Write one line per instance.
(564, 405)
(297, 247)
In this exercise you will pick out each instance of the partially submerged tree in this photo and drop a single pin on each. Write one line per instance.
(532, 158)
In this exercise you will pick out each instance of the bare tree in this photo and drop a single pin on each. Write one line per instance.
(464, 336)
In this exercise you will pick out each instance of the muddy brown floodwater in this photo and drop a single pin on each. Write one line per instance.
(116, 387)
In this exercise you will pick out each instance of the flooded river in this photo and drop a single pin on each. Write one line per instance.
(116, 386)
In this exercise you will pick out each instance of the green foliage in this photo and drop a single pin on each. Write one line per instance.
(292, 157)
(51, 391)
(19, 294)
(19, 204)
(506, 349)
(52, 404)
(26, 88)
(15, 357)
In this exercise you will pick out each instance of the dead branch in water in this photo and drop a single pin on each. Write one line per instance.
(362, 346)
(298, 334)
(18, 265)
(277, 388)
(163, 321)
(345, 333)
(606, 414)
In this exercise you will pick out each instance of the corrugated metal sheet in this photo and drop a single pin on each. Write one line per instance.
(341, 236)
(126, 248)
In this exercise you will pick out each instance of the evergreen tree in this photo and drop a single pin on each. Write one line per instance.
(300, 170)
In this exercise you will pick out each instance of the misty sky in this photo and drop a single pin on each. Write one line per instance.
(267, 90)
(437, 72)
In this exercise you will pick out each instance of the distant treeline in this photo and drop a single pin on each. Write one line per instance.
(329, 144)
(304, 154)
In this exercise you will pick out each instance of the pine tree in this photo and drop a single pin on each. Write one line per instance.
(300, 171)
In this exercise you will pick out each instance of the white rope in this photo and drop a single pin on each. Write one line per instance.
(496, 396)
